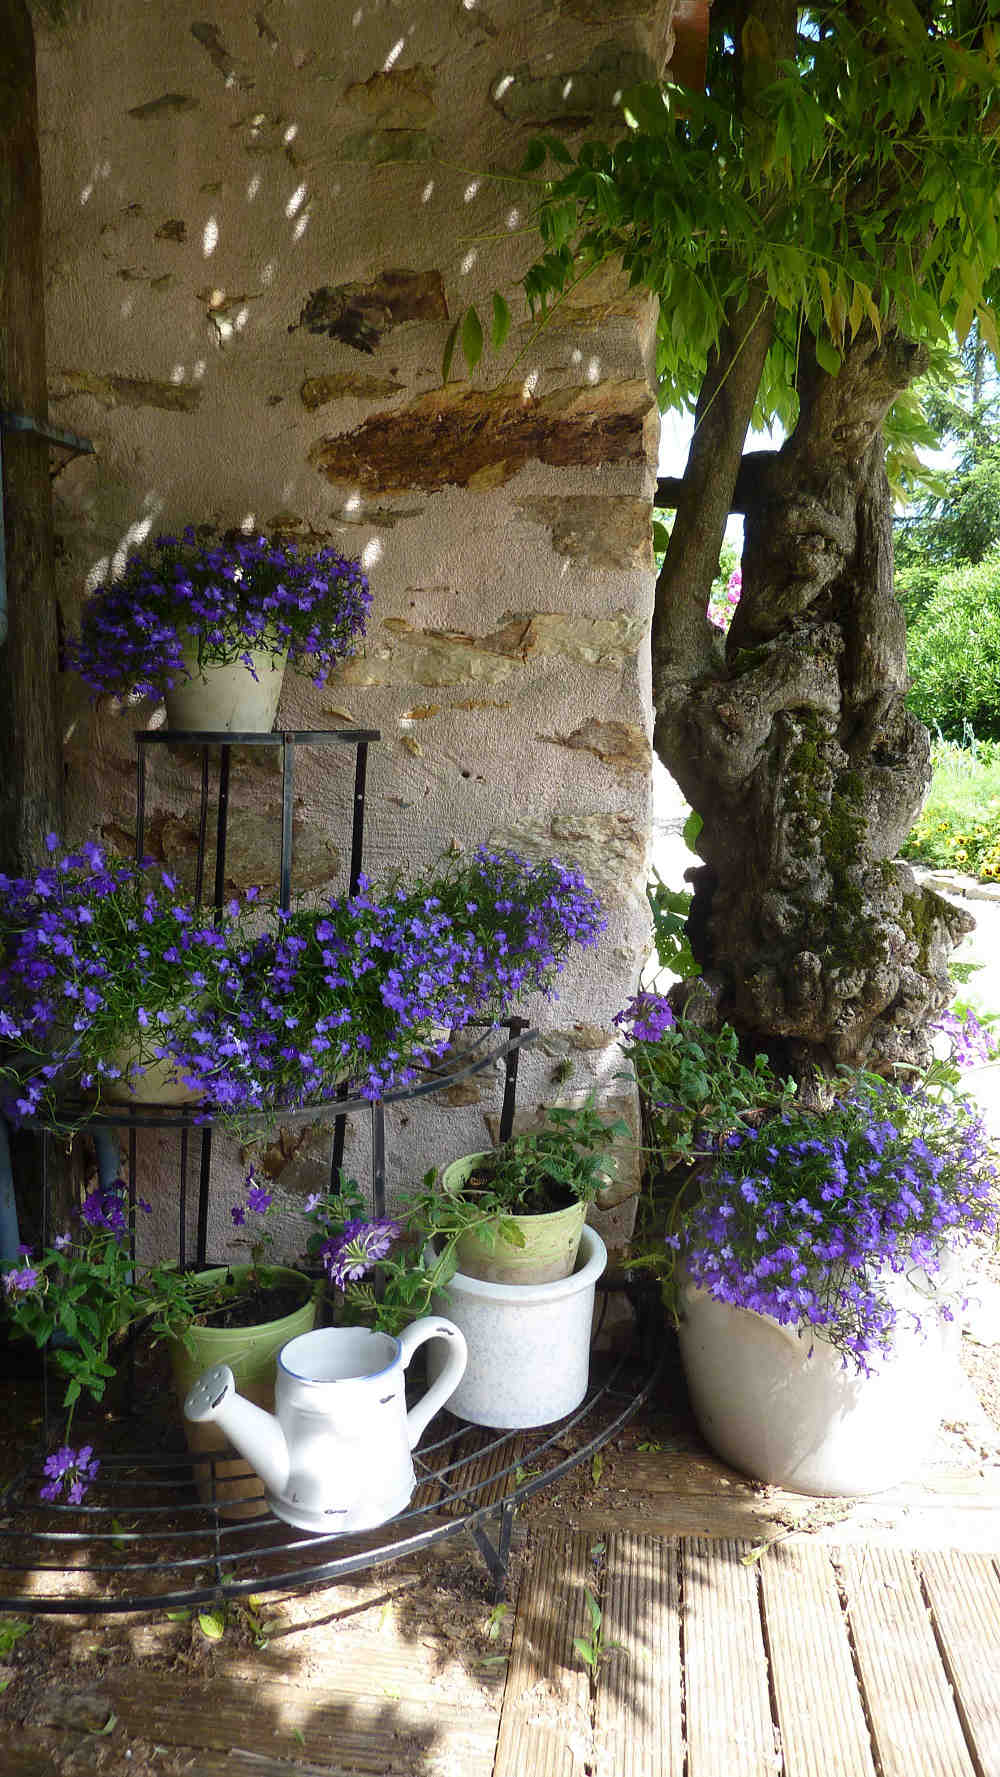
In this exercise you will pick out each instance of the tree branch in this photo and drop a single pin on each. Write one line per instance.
(746, 492)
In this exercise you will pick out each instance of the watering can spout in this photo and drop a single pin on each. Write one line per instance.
(257, 1435)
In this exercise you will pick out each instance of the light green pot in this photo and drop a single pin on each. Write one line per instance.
(251, 1353)
(551, 1242)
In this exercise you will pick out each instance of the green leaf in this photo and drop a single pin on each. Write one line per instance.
(593, 1608)
(11, 1633)
(661, 536)
(449, 352)
(585, 1651)
(827, 356)
(501, 321)
(472, 337)
(691, 829)
(534, 157)
(212, 1624)
(558, 150)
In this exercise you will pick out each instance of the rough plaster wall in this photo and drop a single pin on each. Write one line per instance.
(259, 224)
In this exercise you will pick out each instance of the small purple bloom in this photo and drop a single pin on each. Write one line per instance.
(70, 1469)
(20, 1279)
(259, 1200)
(347, 1256)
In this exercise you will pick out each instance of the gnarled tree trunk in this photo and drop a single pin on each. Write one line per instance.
(794, 744)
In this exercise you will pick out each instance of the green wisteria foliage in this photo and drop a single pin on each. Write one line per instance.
(855, 184)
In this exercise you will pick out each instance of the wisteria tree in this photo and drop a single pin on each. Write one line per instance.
(815, 223)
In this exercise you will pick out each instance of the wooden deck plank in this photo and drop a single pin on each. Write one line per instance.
(481, 1468)
(964, 1596)
(638, 1723)
(696, 1472)
(915, 1724)
(729, 1726)
(820, 1715)
(375, 1735)
(869, 1524)
(545, 1726)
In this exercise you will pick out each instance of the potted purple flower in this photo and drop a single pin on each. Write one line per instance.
(813, 1259)
(209, 622)
(113, 985)
(105, 970)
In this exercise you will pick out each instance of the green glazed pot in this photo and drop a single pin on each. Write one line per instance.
(551, 1241)
(251, 1353)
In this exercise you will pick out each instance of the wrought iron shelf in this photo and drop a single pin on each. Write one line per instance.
(143, 1541)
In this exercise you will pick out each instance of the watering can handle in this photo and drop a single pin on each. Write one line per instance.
(433, 1326)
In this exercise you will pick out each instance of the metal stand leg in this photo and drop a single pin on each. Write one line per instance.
(497, 1559)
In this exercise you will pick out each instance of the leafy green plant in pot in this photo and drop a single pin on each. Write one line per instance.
(527, 1200)
(85, 1294)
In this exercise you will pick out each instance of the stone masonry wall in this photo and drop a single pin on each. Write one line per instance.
(259, 224)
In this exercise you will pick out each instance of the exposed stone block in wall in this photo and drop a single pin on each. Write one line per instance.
(404, 655)
(383, 145)
(621, 745)
(384, 517)
(167, 105)
(456, 435)
(610, 849)
(401, 97)
(207, 34)
(574, 1040)
(126, 391)
(577, 95)
(316, 391)
(360, 315)
(252, 849)
(599, 530)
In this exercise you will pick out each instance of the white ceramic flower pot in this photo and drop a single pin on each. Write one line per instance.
(228, 698)
(807, 1422)
(528, 1344)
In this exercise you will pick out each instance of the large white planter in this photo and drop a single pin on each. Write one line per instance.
(528, 1343)
(807, 1422)
(228, 698)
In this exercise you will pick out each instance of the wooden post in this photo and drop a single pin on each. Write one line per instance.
(30, 743)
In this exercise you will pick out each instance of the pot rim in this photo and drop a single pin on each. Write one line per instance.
(334, 1381)
(595, 1258)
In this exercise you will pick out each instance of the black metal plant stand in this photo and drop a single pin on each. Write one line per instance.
(143, 1538)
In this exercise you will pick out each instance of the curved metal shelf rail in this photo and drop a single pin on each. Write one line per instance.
(148, 1544)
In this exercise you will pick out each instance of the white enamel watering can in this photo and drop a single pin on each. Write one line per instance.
(335, 1455)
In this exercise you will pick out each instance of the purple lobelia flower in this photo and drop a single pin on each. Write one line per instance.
(812, 1214)
(645, 1018)
(20, 1279)
(347, 1256)
(71, 1472)
(105, 1208)
(219, 600)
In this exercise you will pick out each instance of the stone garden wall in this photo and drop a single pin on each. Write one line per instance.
(259, 225)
